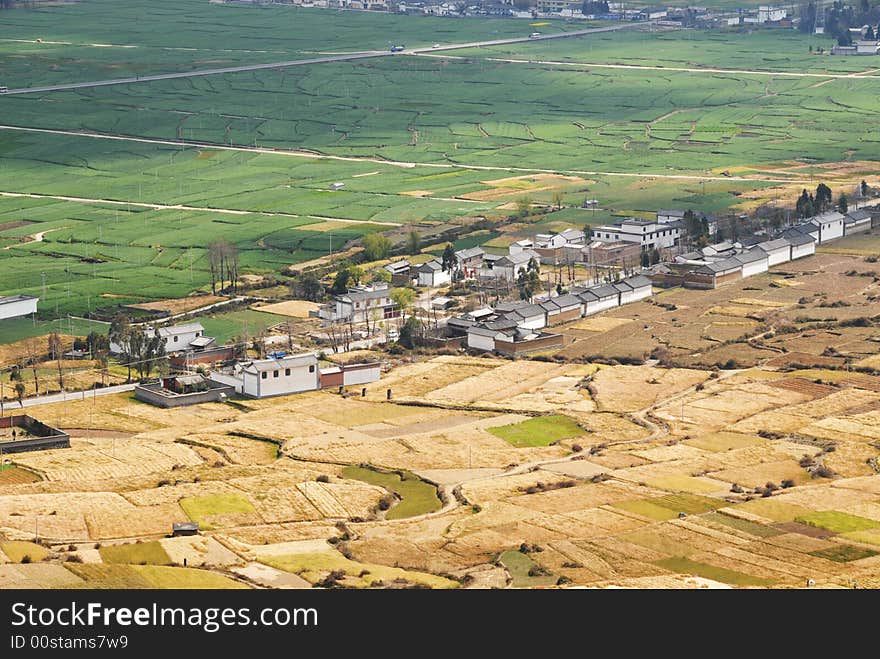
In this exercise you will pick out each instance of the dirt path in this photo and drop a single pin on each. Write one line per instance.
(408, 165)
(867, 74)
(33, 238)
(178, 207)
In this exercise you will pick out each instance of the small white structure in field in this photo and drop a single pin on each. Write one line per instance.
(15, 306)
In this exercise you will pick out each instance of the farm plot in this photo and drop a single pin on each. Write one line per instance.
(631, 388)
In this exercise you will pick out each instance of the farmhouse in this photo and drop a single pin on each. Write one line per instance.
(665, 216)
(178, 338)
(182, 390)
(400, 272)
(562, 309)
(508, 267)
(350, 375)
(647, 234)
(262, 378)
(432, 274)
(360, 303)
(469, 261)
(530, 316)
(802, 244)
(753, 262)
(714, 274)
(520, 246)
(830, 225)
(14, 306)
(633, 289)
(777, 251)
(551, 248)
(858, 221)
(599, 253)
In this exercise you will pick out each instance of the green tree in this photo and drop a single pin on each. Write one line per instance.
(448, 261)
(347, 275)
(533, 265)
(120, 335)
(376, 246)
(822, 200)
(655, 256)
(307, 286)
(863, 189)
(528, 282)
(411, 333)
(842, 204)
(645, 259)
(19, 392)
(403, 298)
(523, 206)
(381, 274)
(413, 242)
(558, 199)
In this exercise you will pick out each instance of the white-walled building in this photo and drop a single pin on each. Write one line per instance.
(15, 306)
(178, 338)
(830, 225)
(777, 251)
(360, 304)
(665, 216)
(753, 262)
(432, 274)
(262, 378)
(647, 234)
(802, 244)
(857, 221)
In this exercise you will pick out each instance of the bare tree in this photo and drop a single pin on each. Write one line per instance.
(33, 356)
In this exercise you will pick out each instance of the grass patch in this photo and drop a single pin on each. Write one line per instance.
(684, 484)
(539, 431)
(202, 509)
(148, 553)
(314, 566)
(691, 504)
(15, 550)
(646, 508)
(417, 496)
(684, 565)
(844, 553)
(125, 577)
(518, 565)
(870, 537)
(838, 522)
(744, 525)
(773, 509)
(723, 441)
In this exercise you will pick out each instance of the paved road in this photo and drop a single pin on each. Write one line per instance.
(10, 407)
(315, 60)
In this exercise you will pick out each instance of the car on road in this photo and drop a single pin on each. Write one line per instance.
(3, 90)
(436, 45)
(397, 49)
(534, 35)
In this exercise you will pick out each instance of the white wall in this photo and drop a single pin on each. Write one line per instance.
(754, 268)
(481, 342)
(361, 375)
(300, 379)
(231, 380)
(627, 296)
(17, 309)
(537, 322)
(799, 251)
(777, 256)
(858, 227)
(831, 231)
(183, 340)
(601, 305)
(437, 278)
(642, 293)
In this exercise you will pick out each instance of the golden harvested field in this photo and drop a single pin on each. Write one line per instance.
(292, 308)
(631, 388)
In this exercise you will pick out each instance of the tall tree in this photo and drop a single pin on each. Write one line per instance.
(528, 282)
(842, 204)
(307, 286)
(120, 335)
(822, 199)
(33, 356)
(523, 206)
(403, 298)
(376, 246)
(558, 199)
(448, 261)
(413, 242)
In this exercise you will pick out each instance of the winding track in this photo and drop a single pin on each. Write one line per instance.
(346, 57)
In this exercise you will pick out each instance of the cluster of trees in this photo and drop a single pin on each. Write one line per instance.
(650, 257)
(809, 204)
(223, 261)
(139, 349)
(840, 17)
(528, 281)
(697, 229)
(347, 275)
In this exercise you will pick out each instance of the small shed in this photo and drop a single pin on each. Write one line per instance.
(184, 528)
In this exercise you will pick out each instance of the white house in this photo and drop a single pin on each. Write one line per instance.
(857, 221)
(647, 234)
(641, 289)
(801, 244)
(432, 274)
(261, 378)
(830, 225)
(753, 262)
(15, 306)
(469, 261)
(178, 338)
(665, 216)
(599, 298)
(530, 316)
(510, 266)
(777, 251)
(360, 304)
(520, 246)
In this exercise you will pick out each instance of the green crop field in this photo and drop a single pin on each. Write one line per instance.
(688, 566)
(414, 139)
(539, 431)
(203, 509)
(417, 496)
(228, 325)
(143, 553)
(838, 522)
(518, 566)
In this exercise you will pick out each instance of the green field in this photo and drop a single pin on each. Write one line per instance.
(844, 553)
(226, 326)
(538, 431)
(838, 522)
(15, 329)
(16, 550)
(417, 496)
(108, 577)
(518, 565)
(203, 509)
(687, 566)
(143, 553)
(144, 211)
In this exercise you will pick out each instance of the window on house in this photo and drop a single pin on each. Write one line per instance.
(175, 339)
(263, 375)
(286, 371)
(312, 368)
(274, 374)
